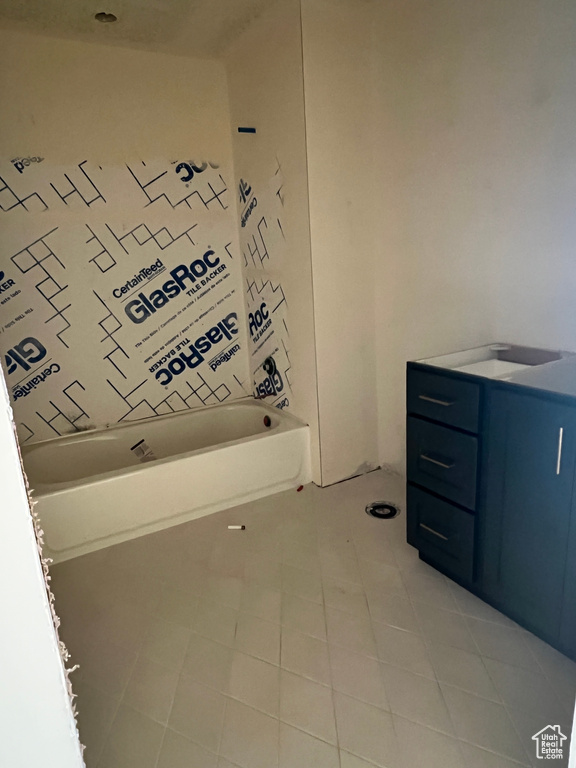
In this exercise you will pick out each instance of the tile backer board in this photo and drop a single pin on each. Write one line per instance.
(264, 253)
(88, 335)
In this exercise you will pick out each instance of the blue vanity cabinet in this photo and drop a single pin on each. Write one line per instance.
(568, 619)
(443, 421)
(491, 492)
(526, 512)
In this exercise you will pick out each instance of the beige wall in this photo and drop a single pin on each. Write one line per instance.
(62, 99)
(476, 153)
(434, 262)
(343, 213)
(441, 150)
(531, 166)
(266, 92)
(36, 722)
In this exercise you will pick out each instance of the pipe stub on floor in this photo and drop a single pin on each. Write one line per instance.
(383, 510)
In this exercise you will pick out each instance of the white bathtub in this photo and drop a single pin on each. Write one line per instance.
(92, 491)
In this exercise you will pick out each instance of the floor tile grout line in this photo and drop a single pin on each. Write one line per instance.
(404, 568)
(279, 693)
(380, 661)
(173, 699)
(453, 737)
(363, 584)
(181, 667)
(332, 690)
(501, 704)
(120, 702)
(485, 657)
(469, 692)
(364, 759)
(451, 719)
(552, 682)
(509, 711)
(302, 730)
(463, 740)
(108, 729)
(496, 754)
(479, 653)
(272, 717)
(221, 734)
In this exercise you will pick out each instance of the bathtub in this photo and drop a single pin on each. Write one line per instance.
(92, 490)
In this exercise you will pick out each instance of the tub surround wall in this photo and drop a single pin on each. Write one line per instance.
(263, 245)
(265, 86)
(123, 296)
(121, 286)
(344, 208)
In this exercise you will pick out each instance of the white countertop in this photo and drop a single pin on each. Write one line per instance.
(492, 369)
(558, 376)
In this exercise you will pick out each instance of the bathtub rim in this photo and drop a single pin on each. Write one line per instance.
(286, 421)
(183, 515)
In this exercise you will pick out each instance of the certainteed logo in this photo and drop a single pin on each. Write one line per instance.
(146, 273)
(23, 162)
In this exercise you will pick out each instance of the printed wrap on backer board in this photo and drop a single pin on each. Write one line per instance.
(121, 293)
(263, 245)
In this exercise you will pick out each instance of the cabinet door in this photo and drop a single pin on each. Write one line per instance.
(525, 520)
(568, 623)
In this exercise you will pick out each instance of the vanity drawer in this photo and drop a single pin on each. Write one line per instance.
(444, 534)
(442, 460)
(448, 399)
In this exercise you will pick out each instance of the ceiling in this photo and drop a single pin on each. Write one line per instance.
(201, 28)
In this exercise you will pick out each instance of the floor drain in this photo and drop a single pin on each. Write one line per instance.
(384, 510)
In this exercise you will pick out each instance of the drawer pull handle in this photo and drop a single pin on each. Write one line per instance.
(559, 456)
(431, 530)
(435, 461)
(445, 403)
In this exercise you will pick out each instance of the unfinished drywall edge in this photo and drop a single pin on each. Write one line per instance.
(45, 564)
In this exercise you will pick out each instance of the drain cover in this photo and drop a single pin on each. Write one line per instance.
(384, 510)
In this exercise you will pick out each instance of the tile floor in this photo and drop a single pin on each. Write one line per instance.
(314, 638)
